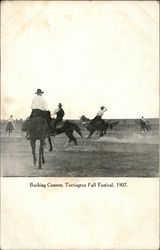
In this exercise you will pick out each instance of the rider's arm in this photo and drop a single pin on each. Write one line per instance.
(56, 111)
(105, 109)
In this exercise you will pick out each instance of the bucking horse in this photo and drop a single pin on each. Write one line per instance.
(94, 125)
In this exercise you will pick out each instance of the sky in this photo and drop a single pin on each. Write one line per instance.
(84, 54)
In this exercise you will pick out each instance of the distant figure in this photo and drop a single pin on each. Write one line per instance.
(100, 113)
(10, 119)
(144, 125)
(142, 119)
(10, 125)
(59, 112)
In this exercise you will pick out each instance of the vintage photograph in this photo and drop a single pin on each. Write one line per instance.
(79, 89)
(80, 125)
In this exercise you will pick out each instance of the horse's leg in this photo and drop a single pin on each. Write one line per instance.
(71, 137)
(40, 154)
(43, 160)
(33, 145)
(101, 133)
(50, 143)
(90, 134)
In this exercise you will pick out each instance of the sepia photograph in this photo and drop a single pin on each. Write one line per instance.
(80, 90)
(80, 125)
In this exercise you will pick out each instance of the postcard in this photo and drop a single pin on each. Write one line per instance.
(80, 125)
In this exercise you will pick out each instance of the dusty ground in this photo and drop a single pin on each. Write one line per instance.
(121, 153)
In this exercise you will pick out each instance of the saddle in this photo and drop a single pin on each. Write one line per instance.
(59, 124)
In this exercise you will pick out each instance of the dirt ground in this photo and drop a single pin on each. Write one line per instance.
(120, 153)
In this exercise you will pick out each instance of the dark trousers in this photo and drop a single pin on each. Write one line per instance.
(97, 118)
(37, 112)
(43, 114)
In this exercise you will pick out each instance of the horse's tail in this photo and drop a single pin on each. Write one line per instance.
(78, 130)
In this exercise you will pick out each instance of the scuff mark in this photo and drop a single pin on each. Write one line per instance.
(8, 100)
(68, 17)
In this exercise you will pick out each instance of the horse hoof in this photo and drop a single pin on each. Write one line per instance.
(50, 149)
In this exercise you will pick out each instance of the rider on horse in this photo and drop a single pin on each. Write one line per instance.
(39, 108)
(38, 104)
(100, 113)
(10, 120)
(60, 113)
(143, 120)
(10, 124)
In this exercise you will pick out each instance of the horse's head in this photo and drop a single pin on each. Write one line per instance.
(82, 118)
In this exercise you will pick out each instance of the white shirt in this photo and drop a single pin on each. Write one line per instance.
(10, 119)
(39, 103)
(101, 112)
(56, 111)
(143, 120)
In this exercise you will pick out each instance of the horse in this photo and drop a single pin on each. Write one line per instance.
(144, 126)
(66, 127)
(37, 129)
(9, 128)
(94, 125)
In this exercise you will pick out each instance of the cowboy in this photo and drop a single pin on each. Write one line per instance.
(142, 119)
(60, 113)
(38, 104)
(10, 121)
(100, 113)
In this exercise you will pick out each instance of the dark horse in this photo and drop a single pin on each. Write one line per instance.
(144, 126)
(9, 128)
(37, 130)
(95, 125)
(66, 127)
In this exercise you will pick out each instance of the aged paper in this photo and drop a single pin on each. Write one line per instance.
(104, 194)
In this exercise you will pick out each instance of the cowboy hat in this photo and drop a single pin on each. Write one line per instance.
(39, 91)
